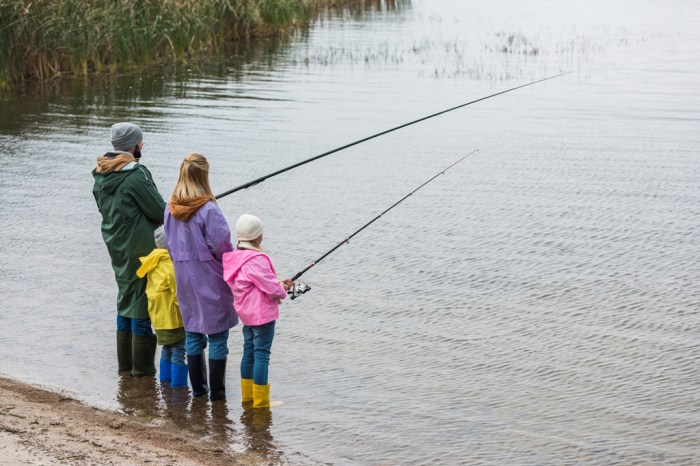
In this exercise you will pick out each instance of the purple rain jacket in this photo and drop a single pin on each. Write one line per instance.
(196, 247)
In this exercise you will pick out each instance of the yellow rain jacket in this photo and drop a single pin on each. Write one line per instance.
(163, 308)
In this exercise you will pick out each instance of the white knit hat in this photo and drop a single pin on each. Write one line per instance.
(248, 227)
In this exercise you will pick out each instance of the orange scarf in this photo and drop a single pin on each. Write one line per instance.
(113, 164)
(185, 210)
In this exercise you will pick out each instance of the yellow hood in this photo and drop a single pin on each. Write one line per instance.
(163, 308)
(151, 261)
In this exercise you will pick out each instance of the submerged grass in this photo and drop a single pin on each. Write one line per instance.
(41, 39)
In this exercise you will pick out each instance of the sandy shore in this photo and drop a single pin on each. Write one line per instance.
(43, 427)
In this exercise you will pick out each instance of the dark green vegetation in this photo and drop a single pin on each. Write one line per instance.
(42, 39)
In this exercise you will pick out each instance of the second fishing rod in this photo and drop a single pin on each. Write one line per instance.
(301, 288)
(338, 149)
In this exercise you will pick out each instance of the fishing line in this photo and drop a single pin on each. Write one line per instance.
(303, 162)
(301, 288)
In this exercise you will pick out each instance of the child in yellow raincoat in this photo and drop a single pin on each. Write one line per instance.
(164, 311)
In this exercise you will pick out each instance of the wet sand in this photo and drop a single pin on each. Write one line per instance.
(42, 427)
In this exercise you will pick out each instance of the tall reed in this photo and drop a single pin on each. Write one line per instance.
(46, 38)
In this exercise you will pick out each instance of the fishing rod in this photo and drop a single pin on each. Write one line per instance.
(303, 162)
(301, 288)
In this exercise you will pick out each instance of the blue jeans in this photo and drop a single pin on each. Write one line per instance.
(257, 341)
(196, 342)
(139, 327)
(174, 353)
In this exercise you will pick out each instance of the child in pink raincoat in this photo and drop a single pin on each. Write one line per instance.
(256, 296)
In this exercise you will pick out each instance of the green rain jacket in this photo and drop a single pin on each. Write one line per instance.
(131, 208)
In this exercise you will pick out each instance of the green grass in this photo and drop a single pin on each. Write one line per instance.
(42, 39)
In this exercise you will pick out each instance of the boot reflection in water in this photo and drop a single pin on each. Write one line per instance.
(176, 400)
(138, 395)
(220, 425)
(197, 415)
(256, 433)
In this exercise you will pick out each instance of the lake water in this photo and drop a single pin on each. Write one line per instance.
(538, 304)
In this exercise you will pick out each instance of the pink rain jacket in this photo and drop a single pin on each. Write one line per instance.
(254, 284)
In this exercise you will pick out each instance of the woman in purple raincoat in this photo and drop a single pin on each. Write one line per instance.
(197, 236)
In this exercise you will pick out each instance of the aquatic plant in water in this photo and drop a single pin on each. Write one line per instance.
(46, 38)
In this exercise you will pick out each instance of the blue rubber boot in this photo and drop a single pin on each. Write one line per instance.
(165, 370)
(179, 373)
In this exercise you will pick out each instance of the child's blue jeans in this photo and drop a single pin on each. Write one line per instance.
(139, 327)
(174, 353)
(196, 342)
(257, 341)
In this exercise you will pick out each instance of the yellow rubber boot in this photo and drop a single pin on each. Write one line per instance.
(261, 396)
(247, 390)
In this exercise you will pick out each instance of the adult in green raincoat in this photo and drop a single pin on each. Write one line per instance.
(131, 208)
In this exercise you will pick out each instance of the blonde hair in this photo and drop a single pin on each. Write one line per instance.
(194, 179)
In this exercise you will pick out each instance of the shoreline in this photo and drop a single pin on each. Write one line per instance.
(47, 427)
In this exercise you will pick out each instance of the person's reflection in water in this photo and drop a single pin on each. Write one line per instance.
(195, 417)
(256, 432)
(176, 400)
(138, 396)
(141, 396)
(205, 419)
(220, 426)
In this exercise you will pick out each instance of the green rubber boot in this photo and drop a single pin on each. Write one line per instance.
(124, 351)
(144, 353)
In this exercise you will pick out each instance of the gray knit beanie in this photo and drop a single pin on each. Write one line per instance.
(125, 136)
(159, 236)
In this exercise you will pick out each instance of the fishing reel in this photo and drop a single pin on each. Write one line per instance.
(298, 289)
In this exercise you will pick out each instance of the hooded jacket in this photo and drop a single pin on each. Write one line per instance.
(131, 209)
(162, 296)
(196, 246)
(254, 285)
